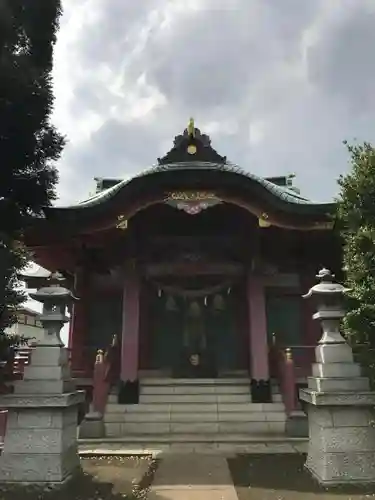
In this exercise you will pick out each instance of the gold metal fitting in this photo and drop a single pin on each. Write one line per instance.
(122, 222)
(263, 220)
(99, 356)
(288, 354)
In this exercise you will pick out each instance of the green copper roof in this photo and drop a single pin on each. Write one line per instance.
(283, 193)
(192, 151)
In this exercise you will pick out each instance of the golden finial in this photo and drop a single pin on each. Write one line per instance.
(191, 128)
(288, 354)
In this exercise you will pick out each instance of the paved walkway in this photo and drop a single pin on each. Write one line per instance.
(192, 477)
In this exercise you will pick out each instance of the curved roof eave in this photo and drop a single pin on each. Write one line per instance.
(282, 194)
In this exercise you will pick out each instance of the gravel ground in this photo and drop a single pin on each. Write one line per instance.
(283, 477)
(102, 478)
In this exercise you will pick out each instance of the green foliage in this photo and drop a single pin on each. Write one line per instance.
(29, 144)
(356, 222)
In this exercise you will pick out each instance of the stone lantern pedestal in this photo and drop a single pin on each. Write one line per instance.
(40, 444)
(340, 405)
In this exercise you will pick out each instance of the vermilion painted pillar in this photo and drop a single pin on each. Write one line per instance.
(258, 342)
(129, 383)
(78, 326)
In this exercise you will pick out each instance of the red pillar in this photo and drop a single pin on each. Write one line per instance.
(129, 383)
(258, 342)
(78, 327)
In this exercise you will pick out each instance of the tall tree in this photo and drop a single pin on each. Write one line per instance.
(356, 222)
(29, 144)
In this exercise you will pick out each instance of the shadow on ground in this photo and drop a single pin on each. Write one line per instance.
(283, 477)
(104, 478)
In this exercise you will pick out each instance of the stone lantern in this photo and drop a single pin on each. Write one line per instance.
(55, 299)
(40, 444)
(340, 405)
(329, 302)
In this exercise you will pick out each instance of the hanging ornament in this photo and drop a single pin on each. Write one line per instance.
(171, 304)
(194, 359)
(218, 302)
(194, 310)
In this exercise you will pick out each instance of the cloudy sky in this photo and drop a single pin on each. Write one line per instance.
(278, 84)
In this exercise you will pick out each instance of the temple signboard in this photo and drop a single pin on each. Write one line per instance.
(192, 202)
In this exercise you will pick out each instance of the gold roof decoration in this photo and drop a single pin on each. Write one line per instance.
(263, 220)
(191, 128)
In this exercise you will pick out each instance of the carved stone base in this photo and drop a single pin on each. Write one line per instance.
(342, 437)
(40, 445)
(128, 393)
(261, 391)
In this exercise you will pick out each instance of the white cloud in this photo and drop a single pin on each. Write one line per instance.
(277, 85)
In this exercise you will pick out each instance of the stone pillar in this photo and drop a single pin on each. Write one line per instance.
(41, 436)
(129, 383)
(258, 342)
(78, 327)
(340, 405)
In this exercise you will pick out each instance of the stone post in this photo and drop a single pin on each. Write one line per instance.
(40, 444)
(339, 403)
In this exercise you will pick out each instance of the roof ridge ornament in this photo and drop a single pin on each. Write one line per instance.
(192, 146)
(191, 128)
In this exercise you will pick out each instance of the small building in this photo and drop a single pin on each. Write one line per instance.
(28, 325)
(196, 265)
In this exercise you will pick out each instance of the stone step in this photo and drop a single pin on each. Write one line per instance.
(194, 407)
(189, 398)
(256, 416)
(236, 437)
(195, 398)
(194, 389)
(166, 381)
(209, 429)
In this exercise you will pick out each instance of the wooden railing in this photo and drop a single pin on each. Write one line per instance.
(288, 365)
(13, 368)
(104, 375)
(86, 362)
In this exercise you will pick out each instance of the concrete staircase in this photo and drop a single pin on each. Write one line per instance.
(194, 410)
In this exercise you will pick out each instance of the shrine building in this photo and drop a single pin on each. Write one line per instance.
(193, 269)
